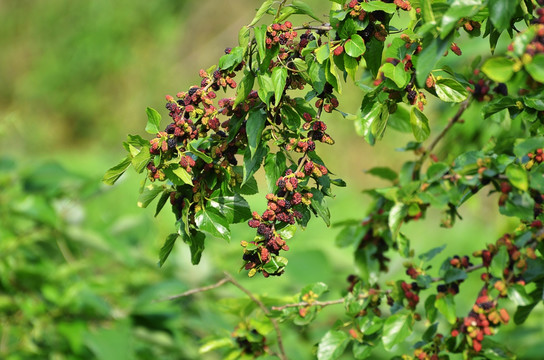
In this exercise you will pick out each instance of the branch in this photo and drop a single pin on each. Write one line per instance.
(197, 290)
(313, 303)
(451, 122)
(467, 270)
(260, 304)
(317, 28)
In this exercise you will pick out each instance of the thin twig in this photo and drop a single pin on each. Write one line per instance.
(317, 28)
(313, 303)
(433, 144)
(263, 307)
(197, 290)
(467, 270)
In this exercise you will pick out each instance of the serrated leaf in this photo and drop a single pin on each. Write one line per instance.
(420, 125)
(279, 79)
(396, 329)
(322, 53)
(153, 121)
(446, 306)
(167, 247)
(319, 204)
(332, 345)
(355, 47)
(396, 217)
(149, 194)
(274, 167)
(233, 59)
(115, 172)
(378, 6)
(524, 146)
(234, 208)
(254, 127)
(396, 73)
(140, 161)
(253, 163)
(193, 148)
(450, 90)
(210, 221)
(263, 9)
(244, 88)
(501, 12)
(183, 175)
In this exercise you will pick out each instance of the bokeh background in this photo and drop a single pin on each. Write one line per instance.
(78, 259)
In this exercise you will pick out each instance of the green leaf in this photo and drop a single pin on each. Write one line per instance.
(304, 8)
(211, 221)
(260, 39)
(378, 5)
(429, 255)
(436, 171)
(149, 194)
(243, 37)
(167, 248)
(427, 11)
(332, 345)
(384, 173)
(193, 148)
(244, 88)
(361, 351)
(183, 175)
(153, 121)
(162, 201)
(501, 13)
(266, 88)
(523, 312)
(446, 306)
(355, 46)
(288, 232)
(140, 161)
(322, 53)
(396, 217)
(454, 274)
(263, 9)
(524, 146)
(450, 90)
(420, 125)
(319, 205)
(114, 173)
(516, 293)
(351, 65)
(499, 262)
(195, 242)
(350, 235)
(291, 118)
(234, 208)
(536, 68)
(396, 329)
(279, 79)
(373, 56)
(396, 73)
(317, 76)
(274, 167)
(233, 59)
(429, 56)
(517, 176)
(253, 163)
(254, 126)
(498, 68)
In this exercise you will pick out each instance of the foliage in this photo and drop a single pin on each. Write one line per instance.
(289, 75)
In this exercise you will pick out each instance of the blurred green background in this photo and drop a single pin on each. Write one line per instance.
(78, 260)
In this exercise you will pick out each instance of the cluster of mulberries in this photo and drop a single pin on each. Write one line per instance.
(280, 34)
(481, 321)
(281, 210)
(410, 293)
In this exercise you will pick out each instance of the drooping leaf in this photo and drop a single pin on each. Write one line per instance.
(255, 124)
(234, 208)
(279, 78)
(332, 345)
(498, 68)
(149, 194)
(153, 121)
(450, 90)
(420, 125)
(319, 204)
(211, 221)
(167, 247)
(114, 173)
(396, 329)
